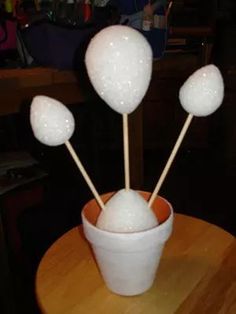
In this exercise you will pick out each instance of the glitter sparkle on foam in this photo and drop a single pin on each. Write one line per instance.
(52, 123)
(124, 73)
(203, 92)
(126, 211)
(119, 65)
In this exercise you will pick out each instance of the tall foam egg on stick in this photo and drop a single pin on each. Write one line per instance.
(200, 95)
(119, 65)
(53, 124)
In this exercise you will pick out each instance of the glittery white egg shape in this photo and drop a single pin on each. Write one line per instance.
(119, 65)
(203, 92)
(52, 123)
(126, 211)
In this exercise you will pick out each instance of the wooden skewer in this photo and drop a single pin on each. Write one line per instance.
(84, 174)
(171, 159)
(126, 150)
(168, 9)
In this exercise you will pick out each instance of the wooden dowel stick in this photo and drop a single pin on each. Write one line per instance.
(171, 159)
(84, 174)
(168, 9)
(126, 150)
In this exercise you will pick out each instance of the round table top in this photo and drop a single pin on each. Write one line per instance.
(197, 274)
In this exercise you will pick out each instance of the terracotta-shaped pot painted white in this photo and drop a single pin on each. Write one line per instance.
(128, 261)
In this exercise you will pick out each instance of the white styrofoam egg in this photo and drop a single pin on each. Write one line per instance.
(203, 92)
(126, 211)
(119, 65)
(52, 123)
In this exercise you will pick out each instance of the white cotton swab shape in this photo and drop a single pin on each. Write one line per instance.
(201, 95)
(119, 65)
(53, 124)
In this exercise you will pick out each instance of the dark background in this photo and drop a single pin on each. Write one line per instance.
(200, 183)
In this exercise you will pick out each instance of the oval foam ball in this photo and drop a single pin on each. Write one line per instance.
(119, 65)
(52, 123)
(203, 91)
(126, 211)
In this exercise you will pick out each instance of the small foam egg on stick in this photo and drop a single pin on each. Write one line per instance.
(203, 92)
(126, 211)
(119, 65)
(53, 124)
(200, 95)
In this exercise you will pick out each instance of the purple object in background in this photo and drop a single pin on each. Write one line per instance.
(130, 7)
(56, 46)
(8, 35)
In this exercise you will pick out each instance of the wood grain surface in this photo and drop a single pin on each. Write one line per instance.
(197, 274)
(19, 86)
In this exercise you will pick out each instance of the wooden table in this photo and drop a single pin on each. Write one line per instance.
(197, 274)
